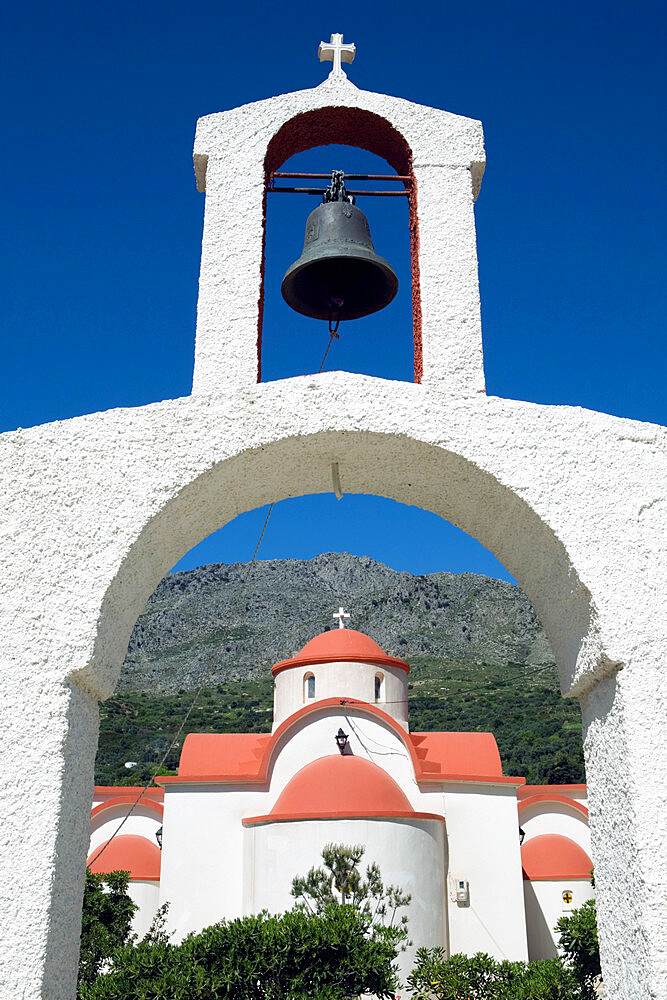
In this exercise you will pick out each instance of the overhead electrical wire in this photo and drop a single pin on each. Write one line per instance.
(333, 327)
(207, 673)
(214, 660)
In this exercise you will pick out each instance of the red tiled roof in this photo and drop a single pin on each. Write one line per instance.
(460, 755)
(236, 757)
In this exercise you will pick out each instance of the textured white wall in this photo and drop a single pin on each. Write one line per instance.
(97, 509)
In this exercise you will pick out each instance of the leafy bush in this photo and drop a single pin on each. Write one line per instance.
(579, 944)
(106, 921)
(480, 977)
(256, 958)
(339, 882)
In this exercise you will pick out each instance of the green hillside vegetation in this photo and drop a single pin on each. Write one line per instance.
(538, 732)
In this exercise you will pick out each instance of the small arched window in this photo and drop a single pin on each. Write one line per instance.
(379, 687)
(309, 687)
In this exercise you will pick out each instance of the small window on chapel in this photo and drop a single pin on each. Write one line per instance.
(379, 687)
(309, 687)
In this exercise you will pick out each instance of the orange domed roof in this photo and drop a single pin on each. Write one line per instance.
(341, 783)
(340, 786)
(552, 856)
(341, 644)
(128, 853)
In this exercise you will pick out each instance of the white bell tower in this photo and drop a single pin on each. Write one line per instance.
(441, 154)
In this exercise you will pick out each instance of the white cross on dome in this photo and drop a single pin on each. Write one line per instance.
(337, 52)
(341, 615)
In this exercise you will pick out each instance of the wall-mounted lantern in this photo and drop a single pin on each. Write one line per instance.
(341, 740)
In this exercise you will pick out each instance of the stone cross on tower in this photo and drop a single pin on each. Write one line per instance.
(341, 616)
(337, 52)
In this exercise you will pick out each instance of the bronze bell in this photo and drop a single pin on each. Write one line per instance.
(338, 275)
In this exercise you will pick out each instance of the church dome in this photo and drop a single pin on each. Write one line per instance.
(552, 856)
(340, 786)
(128, 853)
(341, 644)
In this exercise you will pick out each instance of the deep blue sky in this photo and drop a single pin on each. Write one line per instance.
(101, 222)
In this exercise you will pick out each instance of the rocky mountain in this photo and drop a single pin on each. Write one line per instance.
(184, 631)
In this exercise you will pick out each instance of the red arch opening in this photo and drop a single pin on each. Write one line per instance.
(365, 130)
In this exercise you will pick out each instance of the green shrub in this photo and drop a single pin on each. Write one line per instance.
(579, 943)
(106, 921)
(480, 977)
(296, 956)
(339, 881)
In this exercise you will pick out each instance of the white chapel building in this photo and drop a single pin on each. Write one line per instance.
(490, 863)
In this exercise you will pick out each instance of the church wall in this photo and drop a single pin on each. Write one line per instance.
(313, 736)
(410, 854)
(202, 848)
(556, 819)
(351, 680)
(577, 792)
(146, 895)
(545, 906)
(106, 793)
(104, 824)
(483, 835)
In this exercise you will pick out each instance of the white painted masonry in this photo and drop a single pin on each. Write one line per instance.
(232, 847)
(146, 896)
(357, 680)
(97, 509)
(432, 809)
(557, 819)
(446, 154)
(494, 920)
(544, 908)
(290, 849)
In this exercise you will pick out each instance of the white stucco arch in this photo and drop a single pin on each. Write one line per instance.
(125, 493)
(406, 469)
